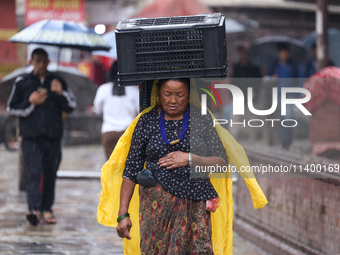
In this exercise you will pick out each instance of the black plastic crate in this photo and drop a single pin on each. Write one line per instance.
(173, 47)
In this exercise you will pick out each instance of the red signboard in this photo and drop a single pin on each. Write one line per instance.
(37, 10)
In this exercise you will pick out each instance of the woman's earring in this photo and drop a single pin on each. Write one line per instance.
(157, 99)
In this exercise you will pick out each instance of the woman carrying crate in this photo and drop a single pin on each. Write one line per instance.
(170, 215)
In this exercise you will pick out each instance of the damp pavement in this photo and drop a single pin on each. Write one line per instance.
(77, 231)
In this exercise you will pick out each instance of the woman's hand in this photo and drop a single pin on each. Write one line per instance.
(126, 191)
(123, 228)
(174, 160)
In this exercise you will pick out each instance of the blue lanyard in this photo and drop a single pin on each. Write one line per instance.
(184, 127)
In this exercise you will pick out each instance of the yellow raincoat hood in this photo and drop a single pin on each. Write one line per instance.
(221, 220)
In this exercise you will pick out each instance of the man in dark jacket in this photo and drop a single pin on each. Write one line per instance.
(244, 75)
(39, 99)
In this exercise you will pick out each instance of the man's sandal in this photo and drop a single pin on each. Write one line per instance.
(49, 218)
(33, 218)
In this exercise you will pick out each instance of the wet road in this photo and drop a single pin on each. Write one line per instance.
(77, 231)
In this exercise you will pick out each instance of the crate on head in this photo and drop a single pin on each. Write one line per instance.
(172, 47)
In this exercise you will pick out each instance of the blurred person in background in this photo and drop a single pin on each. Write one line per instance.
(38, 99)
(284, 69)
(92, 67)
(244, 68)
(98, 70)
(242, 72)
(312, 65)
(283, 66)
(119, 106)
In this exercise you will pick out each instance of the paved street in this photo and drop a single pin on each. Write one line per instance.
(77, 231)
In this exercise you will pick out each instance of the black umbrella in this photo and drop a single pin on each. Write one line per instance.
(333, 44)
(264, 51)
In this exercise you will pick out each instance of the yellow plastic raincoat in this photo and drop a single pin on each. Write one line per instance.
(221, 220)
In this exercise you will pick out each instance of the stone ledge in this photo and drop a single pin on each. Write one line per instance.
(269, 239)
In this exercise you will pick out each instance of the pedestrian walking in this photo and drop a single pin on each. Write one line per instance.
(171, 212)
(286, 71)
(245, 75)
(39, 100)
(312, 65)
(119, 106)
(177, 200)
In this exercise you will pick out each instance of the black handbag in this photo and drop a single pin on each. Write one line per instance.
(146, 178)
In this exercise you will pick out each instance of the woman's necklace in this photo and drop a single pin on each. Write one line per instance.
(184, 127)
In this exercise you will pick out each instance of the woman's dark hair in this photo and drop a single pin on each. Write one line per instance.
(113, 77)
(186, 81)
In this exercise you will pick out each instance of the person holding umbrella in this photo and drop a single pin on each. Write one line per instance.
(39, 99)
